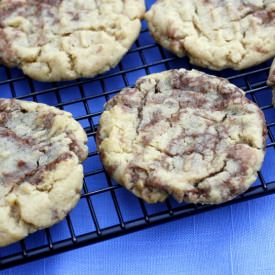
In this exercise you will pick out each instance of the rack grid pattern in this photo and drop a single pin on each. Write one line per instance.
(107, 210)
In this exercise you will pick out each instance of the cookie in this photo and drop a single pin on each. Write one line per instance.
(52, 40)
(216, 34)
(182, 133)
(271, 81)
(41, 176)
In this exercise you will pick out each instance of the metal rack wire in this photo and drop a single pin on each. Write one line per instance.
(85, 99)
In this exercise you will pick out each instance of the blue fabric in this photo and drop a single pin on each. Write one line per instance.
(235, 240)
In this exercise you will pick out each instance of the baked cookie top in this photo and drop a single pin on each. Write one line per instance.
(271, 77)
(41, 150)
(271, 81)
(216, 34)
(182, 133)
(52, 40)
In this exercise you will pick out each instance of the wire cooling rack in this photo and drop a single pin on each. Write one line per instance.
(107, 210)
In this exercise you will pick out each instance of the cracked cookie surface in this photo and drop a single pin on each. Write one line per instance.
(41, 176)
(182, 133)
(52, 40)
(271, 80)
(216, 34)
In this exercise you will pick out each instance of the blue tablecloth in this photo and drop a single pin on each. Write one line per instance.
(235, 240)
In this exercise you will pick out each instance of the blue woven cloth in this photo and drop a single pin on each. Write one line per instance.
(235, 240)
